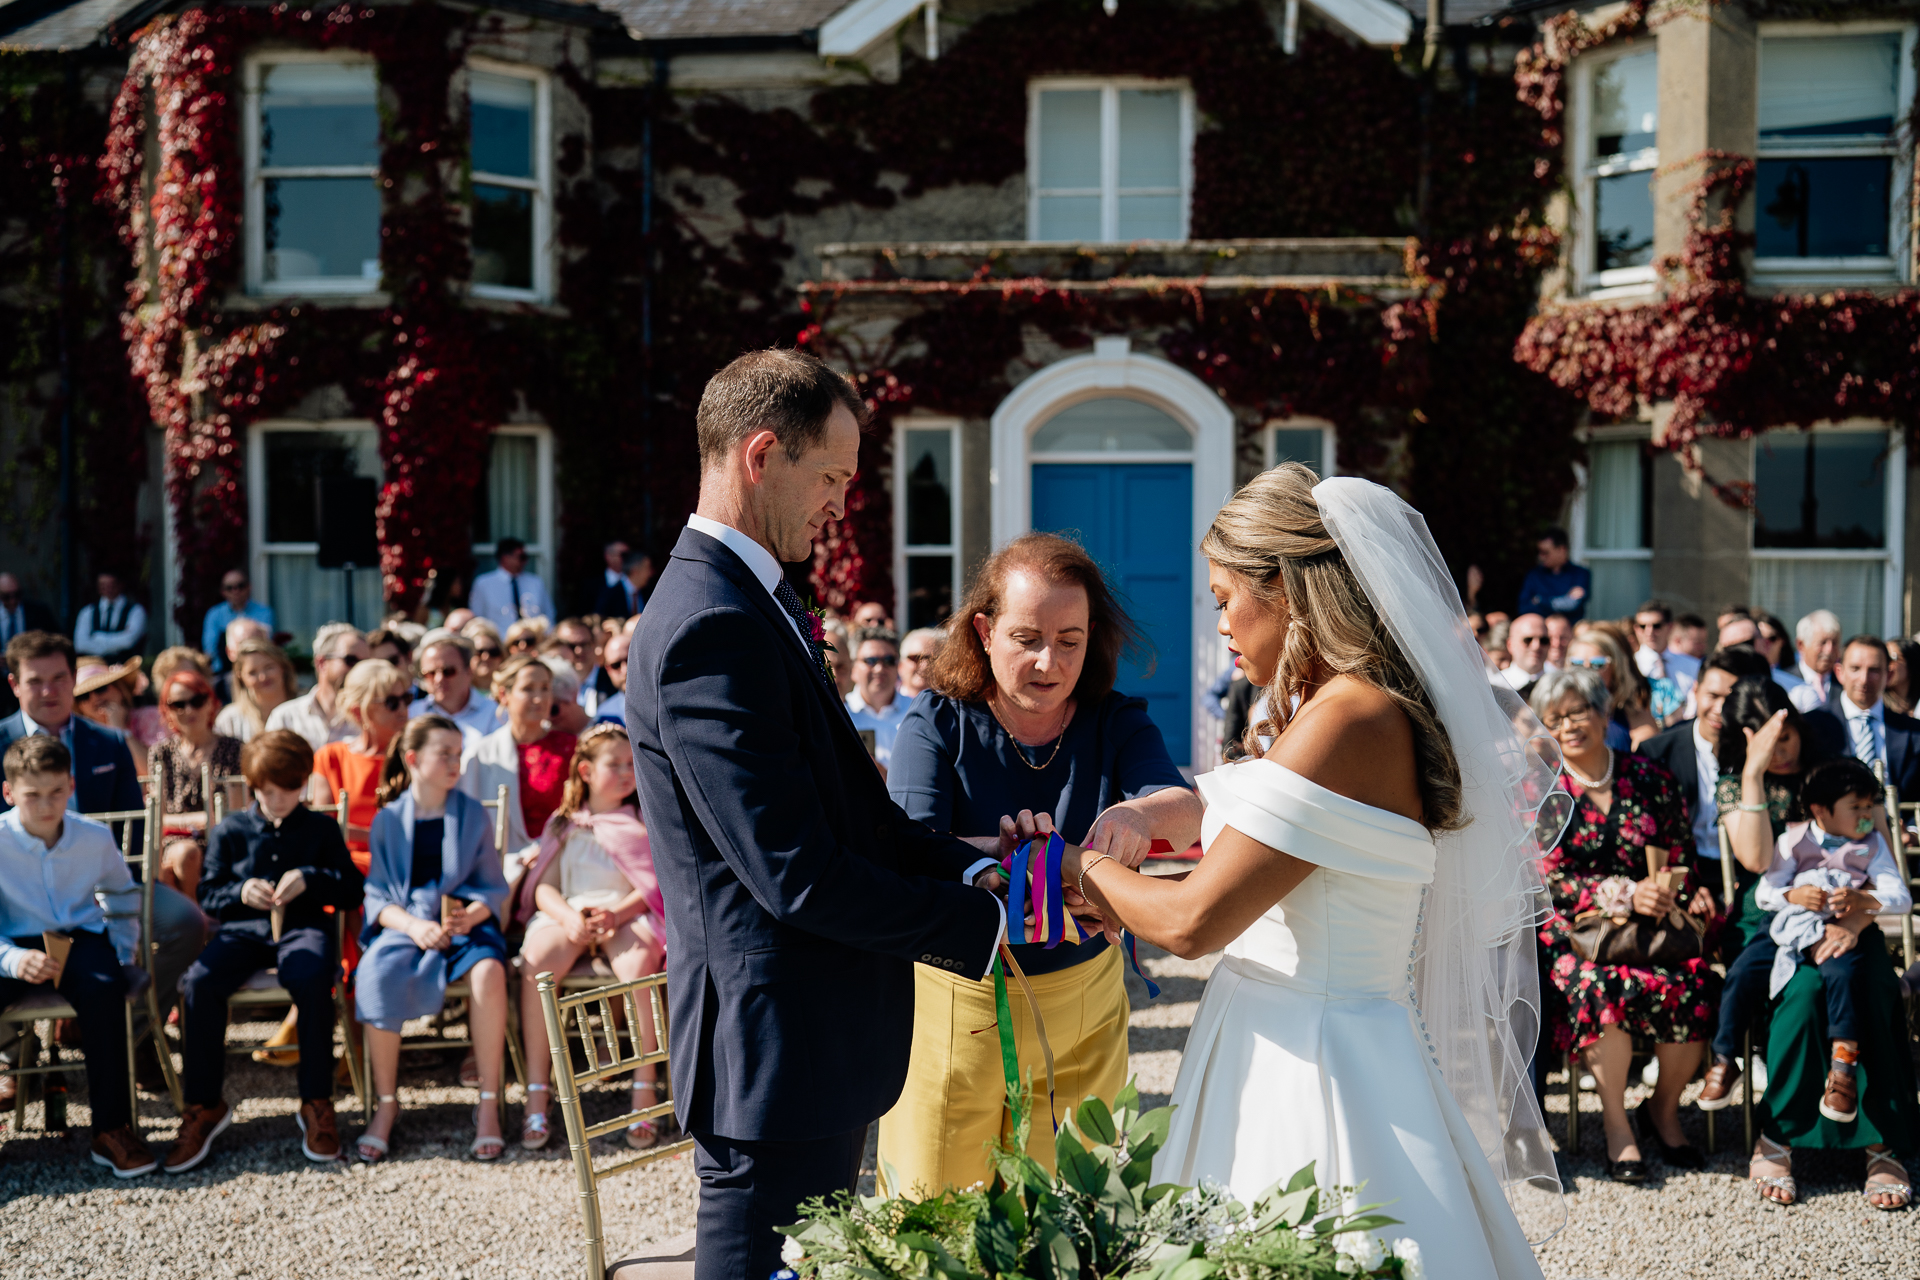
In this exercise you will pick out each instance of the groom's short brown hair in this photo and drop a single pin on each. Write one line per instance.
(787, 392)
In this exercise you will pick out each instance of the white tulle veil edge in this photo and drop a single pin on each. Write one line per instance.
(1473, 971)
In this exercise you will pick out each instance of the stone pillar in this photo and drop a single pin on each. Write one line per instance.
(1709, 85)
(1700, 542)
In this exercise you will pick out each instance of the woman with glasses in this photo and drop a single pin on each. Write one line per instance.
(263, 678)
(488, 650)
(375, 698)
(1596, 649)
(189, 708)
(1625, 807)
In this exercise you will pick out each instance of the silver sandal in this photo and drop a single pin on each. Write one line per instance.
(1776, 1153)
(533, 1124)
(1901, 1189)
(372, 1149)
(642, 1134)
(486, 1147)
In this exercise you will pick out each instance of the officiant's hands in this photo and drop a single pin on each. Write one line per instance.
(1123, 834)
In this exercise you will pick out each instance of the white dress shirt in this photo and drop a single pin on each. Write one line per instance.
(492, 598)
(1706, 811)
(761, 564)
(480, 717)
(1517, 679)
(1811, 677)
(304, 716)
(1866, 731)
(107, 627)
(59, 888)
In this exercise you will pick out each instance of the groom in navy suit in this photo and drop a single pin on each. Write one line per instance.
(798, 895)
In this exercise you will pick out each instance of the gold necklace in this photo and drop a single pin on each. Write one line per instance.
(1059, 738)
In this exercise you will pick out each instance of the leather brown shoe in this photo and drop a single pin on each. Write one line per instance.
(1841, 1102)
(200, 1124)
(320, 1131)
(1717, 1093)
(122, 1151)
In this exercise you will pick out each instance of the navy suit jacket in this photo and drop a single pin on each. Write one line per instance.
(103, 772)
(798, 895)
(1829, 727)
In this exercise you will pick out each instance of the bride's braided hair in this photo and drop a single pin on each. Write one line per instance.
(1270, 534)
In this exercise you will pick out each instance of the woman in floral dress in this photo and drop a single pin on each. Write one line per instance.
(1624, 806)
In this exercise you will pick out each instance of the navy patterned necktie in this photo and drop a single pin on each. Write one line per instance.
(790, 601)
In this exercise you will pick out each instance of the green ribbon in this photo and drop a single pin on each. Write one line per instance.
(1003, 1012)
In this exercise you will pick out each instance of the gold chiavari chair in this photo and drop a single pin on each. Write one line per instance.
(611, 1055)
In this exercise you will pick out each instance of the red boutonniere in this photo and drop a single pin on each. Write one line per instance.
(817, 634)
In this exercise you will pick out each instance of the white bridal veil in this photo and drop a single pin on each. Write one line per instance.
(1476, 982)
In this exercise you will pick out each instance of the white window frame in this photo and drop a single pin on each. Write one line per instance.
(1109, 189)
(901, 548)
(1893, 555)
(1580, 552)
(1895, 264)
(541, 184)
(1620, 282)
(540, 549)
(1329, 460)
(254, 211)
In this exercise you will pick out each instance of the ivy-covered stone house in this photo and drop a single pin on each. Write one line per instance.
(1093, 263)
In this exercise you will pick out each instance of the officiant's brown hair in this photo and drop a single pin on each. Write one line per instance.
(961, 670)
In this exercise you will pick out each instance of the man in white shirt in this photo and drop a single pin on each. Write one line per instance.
(112, 627)
(875, 702)
(1527, 642)
(1672, 674)
(1816, 638)
(317, 715)
(445, 659)
(509, 593)
(1559, 636)
(575, 643)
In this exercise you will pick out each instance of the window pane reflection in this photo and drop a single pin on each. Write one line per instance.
(1626, 105)
(322, 228)
(1823, 208)
(502, 124)
(502, 236)
(1829, 86)
(1069, 138)
(929, 493)
(1112, 426)
(506, 505)
(1304, 446)
(1149, 218)
(1623, 221)
(1069, 218)
(929, 590)
(315, 113)
(1820, 489)
(1149, 138)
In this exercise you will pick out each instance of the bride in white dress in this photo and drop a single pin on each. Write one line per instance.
(1372, 881)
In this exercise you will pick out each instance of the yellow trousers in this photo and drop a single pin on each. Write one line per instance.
(954, 1103)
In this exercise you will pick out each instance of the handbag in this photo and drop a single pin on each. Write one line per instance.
(1641, 941)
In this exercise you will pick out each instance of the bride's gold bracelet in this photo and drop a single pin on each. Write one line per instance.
(1086, 867)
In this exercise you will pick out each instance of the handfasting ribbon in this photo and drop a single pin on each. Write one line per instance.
(1009, 1055)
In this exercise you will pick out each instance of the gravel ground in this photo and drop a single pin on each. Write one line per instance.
(256, 1208)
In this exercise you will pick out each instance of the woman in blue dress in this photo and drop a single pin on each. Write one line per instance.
(429, 842)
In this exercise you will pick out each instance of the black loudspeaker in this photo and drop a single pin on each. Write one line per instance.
(343, 513)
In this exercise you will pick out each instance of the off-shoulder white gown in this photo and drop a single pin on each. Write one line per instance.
(1306, 1046)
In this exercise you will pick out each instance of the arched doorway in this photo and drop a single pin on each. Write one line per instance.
(1132, 456)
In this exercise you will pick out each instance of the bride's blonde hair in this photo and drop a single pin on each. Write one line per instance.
(1270, 534)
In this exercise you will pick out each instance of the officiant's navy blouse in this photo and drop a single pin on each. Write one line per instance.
(955, 769)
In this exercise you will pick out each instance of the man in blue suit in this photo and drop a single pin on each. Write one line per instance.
(1857, 722)
(798, 895)
(40, 671)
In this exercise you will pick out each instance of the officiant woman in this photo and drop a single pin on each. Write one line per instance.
(1021, 715)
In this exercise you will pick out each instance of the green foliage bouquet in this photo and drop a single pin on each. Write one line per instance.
(1099, 1218)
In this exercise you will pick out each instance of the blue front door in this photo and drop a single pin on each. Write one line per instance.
(1136, 521)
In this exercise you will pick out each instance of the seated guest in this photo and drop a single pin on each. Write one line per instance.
(526, 636)
(238, 632)
(188, 703)
(106, 695)
(1763, 753)
(390, 645)
(236, 602)
(870, 614)
(1670, 672)
(567, 715)
(1857, 721)
(527, 754)
(316, 715)
(375, 700)
(489, 650)
(591, 887)
(1839, 1076)
(1903, 675)
(1830, 876)
(612, 707)
(1527, 642)
(918, 649)
(875, 703)
(1630, 723)
(431, 843)
(113, 627)
(276, 855)
(1625, 807)
(68, 860)
(447, 666)
(262, 678)
(991, 738)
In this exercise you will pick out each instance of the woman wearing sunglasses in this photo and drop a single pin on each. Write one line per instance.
(374, 699)
(188, 708)
(1600, 651)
